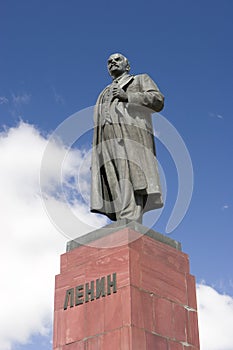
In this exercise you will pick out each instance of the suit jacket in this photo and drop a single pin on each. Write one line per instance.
(133, 124)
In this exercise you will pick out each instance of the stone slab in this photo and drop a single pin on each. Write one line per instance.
(119, 225)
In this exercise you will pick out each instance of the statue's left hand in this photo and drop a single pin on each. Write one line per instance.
(120, 94)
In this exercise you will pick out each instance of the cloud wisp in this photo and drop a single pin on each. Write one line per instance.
(216, 115)
(21, 99)
(3, 100)
(58, 97)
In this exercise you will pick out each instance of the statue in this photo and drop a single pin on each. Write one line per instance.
(125, 179)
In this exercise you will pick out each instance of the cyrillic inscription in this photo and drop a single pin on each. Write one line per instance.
(90, 291)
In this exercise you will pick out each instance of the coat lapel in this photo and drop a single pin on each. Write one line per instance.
(125, 80)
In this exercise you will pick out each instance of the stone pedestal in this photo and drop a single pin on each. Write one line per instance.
(127, 289)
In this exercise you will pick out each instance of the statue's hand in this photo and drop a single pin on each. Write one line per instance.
(120, 94)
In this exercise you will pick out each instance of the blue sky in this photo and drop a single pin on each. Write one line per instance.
(53, 64)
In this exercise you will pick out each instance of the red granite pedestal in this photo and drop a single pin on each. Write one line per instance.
(136, 295)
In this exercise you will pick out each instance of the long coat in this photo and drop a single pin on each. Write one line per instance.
(133, 126)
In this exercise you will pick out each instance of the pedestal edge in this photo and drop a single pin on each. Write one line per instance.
(119, 225)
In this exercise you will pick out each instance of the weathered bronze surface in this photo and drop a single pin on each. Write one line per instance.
(125, 179)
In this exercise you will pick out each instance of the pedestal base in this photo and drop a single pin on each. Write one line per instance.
(137, 295)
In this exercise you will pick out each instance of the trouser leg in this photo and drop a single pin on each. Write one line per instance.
(131, 202)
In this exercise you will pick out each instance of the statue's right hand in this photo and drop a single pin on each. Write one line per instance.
(120, 94)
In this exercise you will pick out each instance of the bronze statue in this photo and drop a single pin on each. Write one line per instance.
(125, 179)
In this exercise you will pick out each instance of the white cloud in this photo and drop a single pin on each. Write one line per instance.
(30, 244)
(225, 206)
(215, 316)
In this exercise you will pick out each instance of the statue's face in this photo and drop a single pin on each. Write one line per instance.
(117, 65)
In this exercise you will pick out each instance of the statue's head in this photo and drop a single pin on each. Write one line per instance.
(117, 65)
